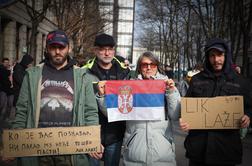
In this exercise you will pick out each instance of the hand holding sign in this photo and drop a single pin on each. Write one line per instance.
(97, 155)
(245, 121)
(8, 160)
(183, 125)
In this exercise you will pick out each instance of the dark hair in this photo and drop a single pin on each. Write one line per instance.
(5, 59)
(103, 40)
(152, 57)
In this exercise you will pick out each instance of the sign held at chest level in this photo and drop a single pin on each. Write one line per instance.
(51, 141)
(212, 113)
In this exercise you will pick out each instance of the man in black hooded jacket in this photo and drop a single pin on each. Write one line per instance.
(216, 147)
(19, 73)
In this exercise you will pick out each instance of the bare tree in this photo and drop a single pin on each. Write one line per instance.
(183, 27)
(37, 14)
(82, 20)
(246, 19)
(162, 17)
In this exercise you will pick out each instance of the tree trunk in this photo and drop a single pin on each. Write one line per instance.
(33, 46)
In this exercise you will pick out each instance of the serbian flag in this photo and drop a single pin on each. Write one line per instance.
(135, 100)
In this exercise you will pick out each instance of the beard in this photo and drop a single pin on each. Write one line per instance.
(106, 60)
(58, 60)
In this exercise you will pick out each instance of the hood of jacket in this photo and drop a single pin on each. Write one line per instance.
(26, 60)
(228, 56)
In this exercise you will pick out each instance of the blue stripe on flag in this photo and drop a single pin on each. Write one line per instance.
(139, 100)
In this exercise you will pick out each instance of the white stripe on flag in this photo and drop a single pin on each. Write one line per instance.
(138, 113)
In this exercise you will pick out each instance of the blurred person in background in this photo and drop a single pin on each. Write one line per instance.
(6, 91)
(19, 73)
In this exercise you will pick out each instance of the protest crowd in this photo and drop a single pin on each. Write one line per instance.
(136, 109)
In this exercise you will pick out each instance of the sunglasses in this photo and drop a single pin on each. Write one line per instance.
(146, 65)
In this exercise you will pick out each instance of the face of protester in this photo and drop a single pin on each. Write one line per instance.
(105, 55)
(6, 64)
(216, 59)
(57, 55)
(148, 68)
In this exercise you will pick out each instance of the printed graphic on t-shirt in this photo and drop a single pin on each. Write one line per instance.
(56, 103)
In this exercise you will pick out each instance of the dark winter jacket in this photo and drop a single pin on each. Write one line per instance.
(110, 132)
(18, 75)
(216, 146)
(5, 83)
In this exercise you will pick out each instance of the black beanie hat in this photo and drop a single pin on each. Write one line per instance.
(104, 40)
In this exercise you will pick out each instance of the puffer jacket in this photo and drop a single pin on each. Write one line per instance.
(222, 147)
(151, 143)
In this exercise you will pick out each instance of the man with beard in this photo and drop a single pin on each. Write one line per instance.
(219, 147)
(56, 94)
(105, 66)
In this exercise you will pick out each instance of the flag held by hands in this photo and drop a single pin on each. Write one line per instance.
(135, 100)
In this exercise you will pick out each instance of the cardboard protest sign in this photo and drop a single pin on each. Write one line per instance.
(51, 141)
(212, 113)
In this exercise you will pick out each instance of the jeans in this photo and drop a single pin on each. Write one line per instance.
(111, 155)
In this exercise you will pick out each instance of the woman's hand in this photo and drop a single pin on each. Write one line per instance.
(170, 84)
(101, 88)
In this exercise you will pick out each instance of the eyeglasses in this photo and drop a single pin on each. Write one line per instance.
(146, 65)
(104, 50)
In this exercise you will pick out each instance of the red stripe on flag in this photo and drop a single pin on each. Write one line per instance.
(138, 86)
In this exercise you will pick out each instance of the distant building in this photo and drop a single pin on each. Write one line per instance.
(15, 29)
(137, 52)
(120, 24)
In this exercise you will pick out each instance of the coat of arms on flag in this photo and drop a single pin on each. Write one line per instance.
(125, 99)
(135, 100)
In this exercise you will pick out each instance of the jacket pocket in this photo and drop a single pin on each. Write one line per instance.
(135, 149)
(198, 91)
(130, 140)
(164, 149)
(230, 90)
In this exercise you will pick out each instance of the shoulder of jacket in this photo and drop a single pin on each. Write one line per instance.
(132, 75)
(89, 63)
(121, 64)
(35, 68)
